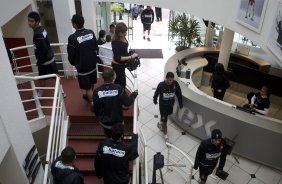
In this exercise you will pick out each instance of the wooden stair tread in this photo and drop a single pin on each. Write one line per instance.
(85, 163)
(84, 146)
(95, 129)
(91, 179)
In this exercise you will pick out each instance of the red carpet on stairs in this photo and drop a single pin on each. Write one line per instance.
(85, 132)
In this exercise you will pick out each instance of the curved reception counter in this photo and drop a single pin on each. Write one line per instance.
(256, 137)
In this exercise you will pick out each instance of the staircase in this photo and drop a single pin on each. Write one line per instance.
(85, 132)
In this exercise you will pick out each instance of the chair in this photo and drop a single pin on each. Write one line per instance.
(249, 96)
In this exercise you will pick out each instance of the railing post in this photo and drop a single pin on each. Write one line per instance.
(36, 100)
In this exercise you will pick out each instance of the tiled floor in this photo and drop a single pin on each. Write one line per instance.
(149, 75)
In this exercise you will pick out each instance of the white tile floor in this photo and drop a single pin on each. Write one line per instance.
(149, 75)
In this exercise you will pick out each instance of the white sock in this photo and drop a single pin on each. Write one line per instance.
(166, 137)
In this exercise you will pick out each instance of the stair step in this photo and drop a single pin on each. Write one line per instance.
(84, 146)
(91, 179)
(85, 164)
(93, 129)
(85, 129)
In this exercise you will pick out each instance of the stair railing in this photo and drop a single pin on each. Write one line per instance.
(58, 118)
(185, 169)
(20, 67)
(143, 157)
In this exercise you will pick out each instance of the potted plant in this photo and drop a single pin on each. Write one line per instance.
(116, 8)
(186, 30)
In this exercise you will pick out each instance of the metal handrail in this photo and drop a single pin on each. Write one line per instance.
(58, 123)
(144, 155)
(186, 157)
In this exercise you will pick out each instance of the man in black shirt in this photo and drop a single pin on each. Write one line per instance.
(63, 170)
(108, 100)
(82, 53)
(166, 91)
(43, 52)
(147, 18)
(113, 156)
(208, 154)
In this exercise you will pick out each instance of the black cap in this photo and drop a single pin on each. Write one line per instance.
(216, 134)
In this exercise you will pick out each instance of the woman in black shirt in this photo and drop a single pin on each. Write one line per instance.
(219, 82)
(120, 52)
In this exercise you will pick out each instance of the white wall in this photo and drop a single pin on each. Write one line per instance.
(9, 8)
(11, 109)
(4, 146)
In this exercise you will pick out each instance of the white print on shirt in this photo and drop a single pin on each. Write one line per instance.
(109, 93)
(148, 16)
(84, 38)
(111, 151)
(167, 96)
(212, 156)
(44, 33)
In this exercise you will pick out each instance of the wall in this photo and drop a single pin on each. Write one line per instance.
(11, 109)
(10, 8)
(5, 145)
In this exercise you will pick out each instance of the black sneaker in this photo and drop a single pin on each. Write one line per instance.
(149, 39)
(143, 37)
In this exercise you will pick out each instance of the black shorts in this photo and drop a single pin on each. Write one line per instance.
(165, 110)
(205, 171)
(146, 27)
(48, 69)
(87, 81)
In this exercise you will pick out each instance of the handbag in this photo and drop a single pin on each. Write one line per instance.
(133, 63)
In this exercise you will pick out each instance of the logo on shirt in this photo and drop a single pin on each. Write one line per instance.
(148, 16)
(109, 93)
(44, 33)
(212, 156)
(84, 38)
(115, 152)
(168, 95)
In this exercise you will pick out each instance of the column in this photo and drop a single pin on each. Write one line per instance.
(89, 14)
(109, 16)
(226, 45)
(63, 12)
(209, 35)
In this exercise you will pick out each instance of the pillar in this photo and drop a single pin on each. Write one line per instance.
(89, 14)
(109, 16)
(63, 12)
(226, 45)
(209, 35)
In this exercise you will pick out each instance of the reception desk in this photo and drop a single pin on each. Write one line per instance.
(257, 137)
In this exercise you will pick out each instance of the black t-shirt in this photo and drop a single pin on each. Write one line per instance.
(112, 160)
(208, 154)
(63, 174)
(119, 49)
(108, 100)
(43, 51)
(82, 50)
(166, 93)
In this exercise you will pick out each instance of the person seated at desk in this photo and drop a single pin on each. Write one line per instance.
(259, 102)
